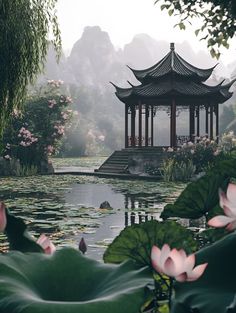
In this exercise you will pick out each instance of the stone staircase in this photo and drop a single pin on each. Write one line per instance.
(122, 161)
(116, 163)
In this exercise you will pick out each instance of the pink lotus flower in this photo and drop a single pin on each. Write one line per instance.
(228, 204)
(175, 263)
(46, 244)
(3, 218)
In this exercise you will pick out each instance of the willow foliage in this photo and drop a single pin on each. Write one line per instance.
(24, 38)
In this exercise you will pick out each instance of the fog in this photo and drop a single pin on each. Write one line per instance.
(92, 63)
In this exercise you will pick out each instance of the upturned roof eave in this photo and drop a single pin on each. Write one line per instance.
(195, 72)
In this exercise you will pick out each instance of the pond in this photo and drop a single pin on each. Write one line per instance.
(66, 207)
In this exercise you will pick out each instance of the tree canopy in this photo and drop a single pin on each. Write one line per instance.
(218, 16)
(25, 27)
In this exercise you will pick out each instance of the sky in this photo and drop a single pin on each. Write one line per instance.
(123, 19)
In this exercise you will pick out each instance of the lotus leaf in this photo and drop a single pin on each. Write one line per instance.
(215, 291)
(68, 282)
(135, 242)
(201, 196)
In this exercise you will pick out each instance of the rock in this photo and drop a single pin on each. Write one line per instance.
(105, 205)
(46, 167)
(9, 167)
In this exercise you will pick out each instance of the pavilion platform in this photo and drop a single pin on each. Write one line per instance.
(132, 161)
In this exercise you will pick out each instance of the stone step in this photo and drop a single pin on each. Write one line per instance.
(119, 160)
(114, 165)
(111, 170)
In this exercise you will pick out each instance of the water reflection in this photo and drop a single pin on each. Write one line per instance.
(68, 208)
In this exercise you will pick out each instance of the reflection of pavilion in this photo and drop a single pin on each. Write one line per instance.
(134, 217)
(174, 85)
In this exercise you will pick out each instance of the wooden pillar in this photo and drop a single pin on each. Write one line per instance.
(126, 126)
(140, 125)
(198, 120)
(207, 120)
(191, 122)
(173, 124)
(152, 116)
(217, 122)
(211, 122)
(133, 126)
(146, 124)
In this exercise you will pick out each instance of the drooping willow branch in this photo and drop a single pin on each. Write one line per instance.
(24, 38)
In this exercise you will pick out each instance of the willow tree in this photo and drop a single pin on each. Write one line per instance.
(25, 27)
(218, 19)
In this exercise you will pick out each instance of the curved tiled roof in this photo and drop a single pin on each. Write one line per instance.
(172, 63)
(173, 76)
(177, 88)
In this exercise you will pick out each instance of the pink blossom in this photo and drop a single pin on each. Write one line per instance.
(228, 204)
(68, 100)
(7, 157)
(22, 130)
(101, 137)
(64, 115)
(170, 149)
(23, 144)
(60, 129)
(3, 218)
(51, 103)
(27, 137)
(55, 83)
(217, 152)
(175, 263)
(50, 149)
(46, 244)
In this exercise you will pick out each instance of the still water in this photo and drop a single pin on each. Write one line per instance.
(67, 207)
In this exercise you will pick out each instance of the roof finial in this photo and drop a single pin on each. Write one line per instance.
(172, 46)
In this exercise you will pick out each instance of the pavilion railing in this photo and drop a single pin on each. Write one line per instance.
(136, 141)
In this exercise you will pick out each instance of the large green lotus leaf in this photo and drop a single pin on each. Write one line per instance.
(215, 291)
(201, 196)
(135, 242)
(68, 282)
(197, 199)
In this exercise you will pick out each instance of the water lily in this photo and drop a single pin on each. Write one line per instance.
(228, 204)
(3, 218)
(46, 244)
(175, 263)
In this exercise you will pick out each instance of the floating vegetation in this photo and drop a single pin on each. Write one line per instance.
(66, 207)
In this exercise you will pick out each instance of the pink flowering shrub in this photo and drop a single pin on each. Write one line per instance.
(203, 154)
(36, 133)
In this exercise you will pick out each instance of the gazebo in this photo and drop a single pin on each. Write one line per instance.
(173, 84)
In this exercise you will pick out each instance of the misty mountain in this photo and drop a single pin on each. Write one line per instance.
(87, 71)
(94, 61)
